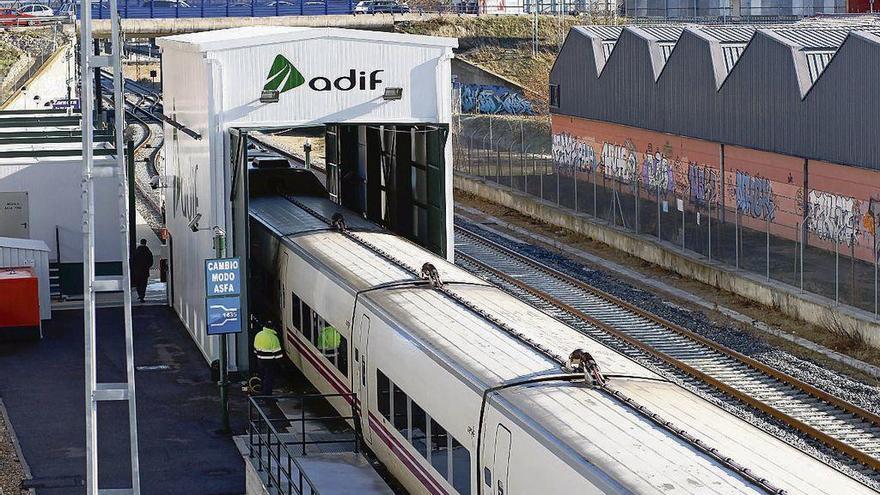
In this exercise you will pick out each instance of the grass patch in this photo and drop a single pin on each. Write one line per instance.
(504, 45)
(8, 56)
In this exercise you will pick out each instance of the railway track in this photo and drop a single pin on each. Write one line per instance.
(844, 427)
(146, 102)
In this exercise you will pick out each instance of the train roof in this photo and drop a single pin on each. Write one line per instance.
(480, 348)
(596, 428)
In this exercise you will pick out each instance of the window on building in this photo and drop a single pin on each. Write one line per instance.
(554, 96)
(295, 312)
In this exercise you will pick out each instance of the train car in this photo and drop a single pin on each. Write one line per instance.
(464, 389)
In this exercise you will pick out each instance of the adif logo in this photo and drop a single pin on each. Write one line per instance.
(283, 76)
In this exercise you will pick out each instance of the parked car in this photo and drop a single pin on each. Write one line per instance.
(166, 4)
(12, 17)
(37, 10)
(381, 7)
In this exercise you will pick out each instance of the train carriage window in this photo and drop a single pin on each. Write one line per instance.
(318, 324)
(439, 454)
(383, 394)
(419, 429)
(399, 410)
(461, 467)
(306, 321)
(295, 311)
(342, 355)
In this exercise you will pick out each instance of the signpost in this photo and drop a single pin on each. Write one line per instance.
(223, 310)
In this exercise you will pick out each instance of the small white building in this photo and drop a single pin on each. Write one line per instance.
(375, 93)
(40, 192)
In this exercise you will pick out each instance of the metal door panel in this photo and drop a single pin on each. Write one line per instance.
(14, 221)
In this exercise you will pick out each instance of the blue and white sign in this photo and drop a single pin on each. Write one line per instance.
(224, 315)
(222, 277)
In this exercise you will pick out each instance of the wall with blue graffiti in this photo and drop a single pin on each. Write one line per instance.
(492, 99)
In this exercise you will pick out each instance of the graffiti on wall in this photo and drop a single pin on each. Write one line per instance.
(703, 184)
(572, 154)
(754, 196)
(658, 171)
(833, 217)
(620, 162)
(491, 99)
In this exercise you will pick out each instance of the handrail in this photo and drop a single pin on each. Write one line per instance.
(271, 438)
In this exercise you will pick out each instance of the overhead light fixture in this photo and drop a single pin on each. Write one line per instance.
(269, 96)
(392, 94)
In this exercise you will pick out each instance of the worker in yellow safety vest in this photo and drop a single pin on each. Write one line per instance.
(268, 350)
(329, 340)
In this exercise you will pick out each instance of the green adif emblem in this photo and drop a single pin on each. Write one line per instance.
(283, 76)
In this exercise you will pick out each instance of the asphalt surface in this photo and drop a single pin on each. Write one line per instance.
(42, 385)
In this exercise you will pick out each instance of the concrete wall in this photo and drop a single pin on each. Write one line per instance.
(805, 306)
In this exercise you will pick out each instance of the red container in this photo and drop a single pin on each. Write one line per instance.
(19, 303)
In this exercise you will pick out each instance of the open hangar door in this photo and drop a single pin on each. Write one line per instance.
(393, 175)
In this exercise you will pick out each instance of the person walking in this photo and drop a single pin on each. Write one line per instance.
(267, 347)
(140, 269)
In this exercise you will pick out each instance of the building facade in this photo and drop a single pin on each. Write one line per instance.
(763, 132)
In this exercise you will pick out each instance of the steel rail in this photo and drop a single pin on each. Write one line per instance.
(693, 371)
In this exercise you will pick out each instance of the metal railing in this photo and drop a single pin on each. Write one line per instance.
(273, 452)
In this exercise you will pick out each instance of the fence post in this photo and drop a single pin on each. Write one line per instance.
(302, 423)
(768, 248)
(575, 174)
(497, 161)
(556, 169)
(540, 176)
(736, 236)
(658, 213)
(801, 250)
(875, 270)
(595, 190)
(638, 202)
(710, 230)
(683, 229)
(836, 266)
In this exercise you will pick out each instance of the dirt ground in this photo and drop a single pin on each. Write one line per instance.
(11, 470)
(835, 339)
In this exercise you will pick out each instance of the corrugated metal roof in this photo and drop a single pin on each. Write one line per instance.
(731, 54)
(16, 243)
(666, 48)
(817, 61)
(819, 41)
(664, 33)
(607, 48)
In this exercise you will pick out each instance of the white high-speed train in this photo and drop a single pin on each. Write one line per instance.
(457, 389)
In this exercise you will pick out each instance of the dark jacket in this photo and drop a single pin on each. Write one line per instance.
(141, 263)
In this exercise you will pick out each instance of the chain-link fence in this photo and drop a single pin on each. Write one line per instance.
(829, 249)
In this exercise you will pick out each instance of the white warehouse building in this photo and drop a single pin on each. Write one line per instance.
(371, 91)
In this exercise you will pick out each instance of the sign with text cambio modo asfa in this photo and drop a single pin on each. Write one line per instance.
(223, 295)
